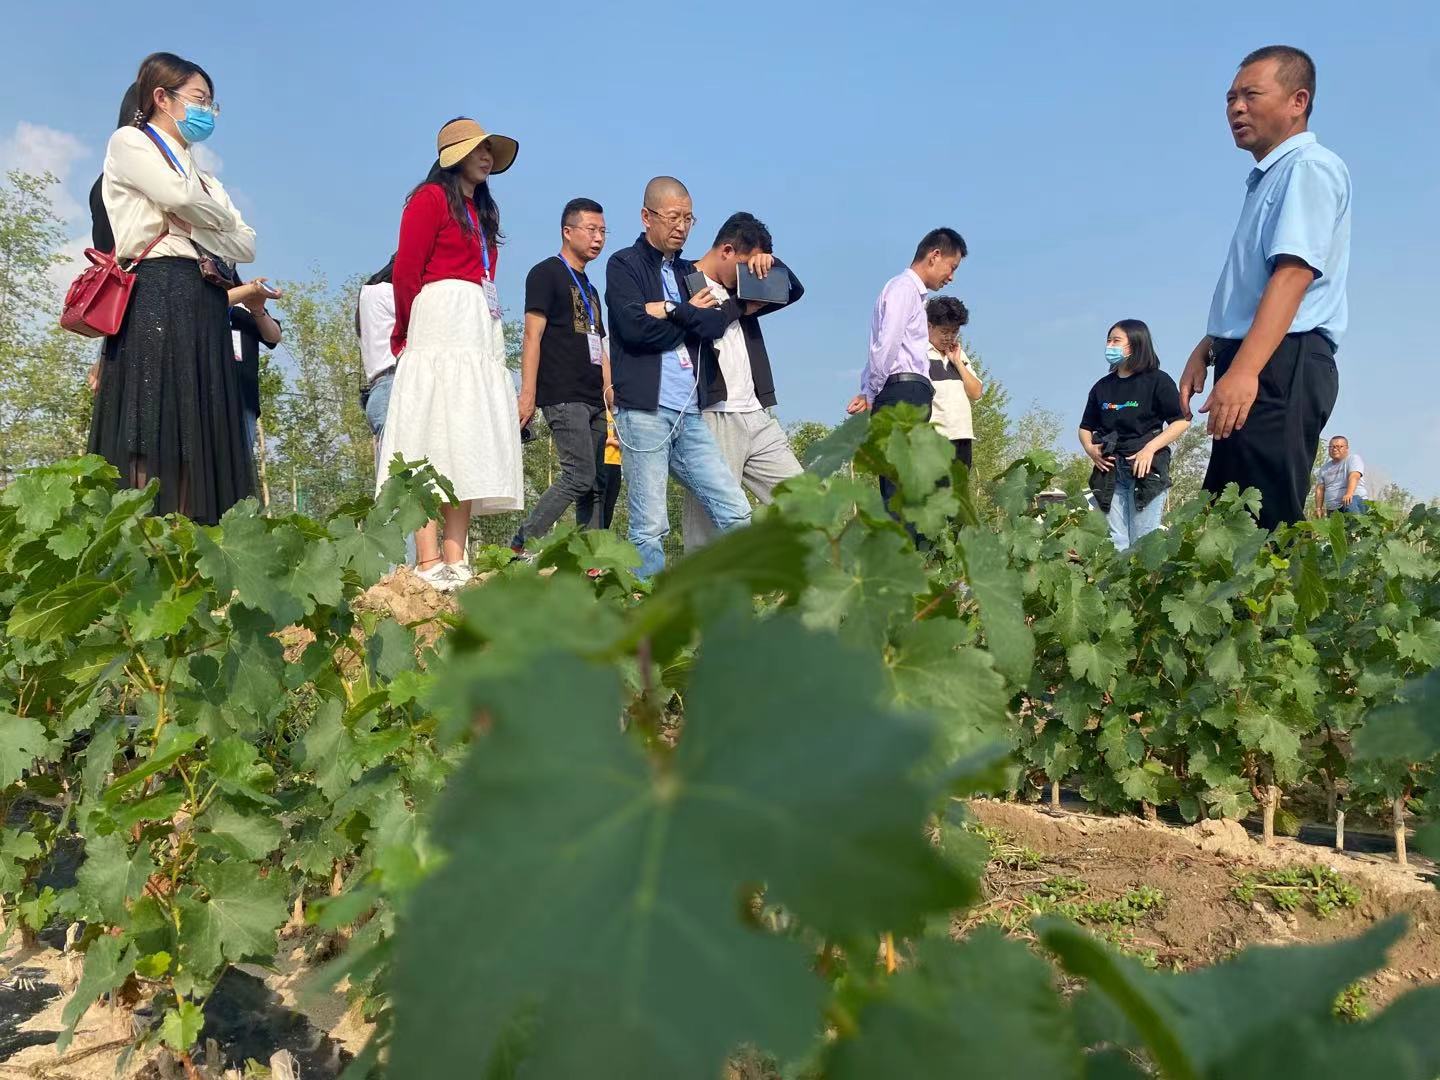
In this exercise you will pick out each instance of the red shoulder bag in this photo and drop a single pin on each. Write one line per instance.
(96, 302)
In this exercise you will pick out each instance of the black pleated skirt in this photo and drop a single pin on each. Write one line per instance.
(170, 405)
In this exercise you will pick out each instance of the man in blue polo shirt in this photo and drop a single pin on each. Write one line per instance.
(1279, 309)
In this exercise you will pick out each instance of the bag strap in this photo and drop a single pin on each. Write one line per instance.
(171, 161)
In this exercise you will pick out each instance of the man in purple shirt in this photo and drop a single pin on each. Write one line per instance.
(899, 365)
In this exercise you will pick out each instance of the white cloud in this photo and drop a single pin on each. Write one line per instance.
(35, 148)
(207, 159)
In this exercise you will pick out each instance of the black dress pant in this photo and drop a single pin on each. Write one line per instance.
(964, 451)
(911, 392)
(1275, 450)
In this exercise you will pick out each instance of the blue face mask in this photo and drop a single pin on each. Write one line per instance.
(198, 125)
(1114, 354)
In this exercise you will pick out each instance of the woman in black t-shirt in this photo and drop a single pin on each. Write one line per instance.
(1132, 416)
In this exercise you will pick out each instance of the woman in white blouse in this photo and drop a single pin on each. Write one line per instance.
(169, 405)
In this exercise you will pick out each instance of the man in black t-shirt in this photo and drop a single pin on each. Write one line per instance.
(563, 368)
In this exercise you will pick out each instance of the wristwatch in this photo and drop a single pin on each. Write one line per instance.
(670, 307)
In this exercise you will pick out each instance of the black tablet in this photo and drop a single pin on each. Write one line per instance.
(773, 288)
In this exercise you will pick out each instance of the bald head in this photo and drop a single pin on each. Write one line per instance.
(662, 189)
(668, 214)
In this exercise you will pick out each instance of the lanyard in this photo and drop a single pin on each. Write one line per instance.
(484, 248)
(584, 294)
(165, 147)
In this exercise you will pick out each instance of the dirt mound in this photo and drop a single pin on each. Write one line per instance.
(1198, 870)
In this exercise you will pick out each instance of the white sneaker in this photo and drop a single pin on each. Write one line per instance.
(462, 573)
(440, 577)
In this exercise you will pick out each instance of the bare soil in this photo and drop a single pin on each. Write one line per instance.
(1197, 869)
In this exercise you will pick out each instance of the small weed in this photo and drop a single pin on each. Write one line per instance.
(1352, 1003)
(1288, 889)
(1004, 850)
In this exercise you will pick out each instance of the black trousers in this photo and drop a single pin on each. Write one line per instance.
(964, 451)
(911, 392)
(1275, 450)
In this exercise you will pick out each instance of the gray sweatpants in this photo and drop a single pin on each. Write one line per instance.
(758, 453)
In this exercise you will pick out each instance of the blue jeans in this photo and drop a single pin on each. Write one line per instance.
(1357, 506)
(1127, 524)
(661, 443)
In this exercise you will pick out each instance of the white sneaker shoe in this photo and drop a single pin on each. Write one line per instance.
(462, 572)
(440, 577)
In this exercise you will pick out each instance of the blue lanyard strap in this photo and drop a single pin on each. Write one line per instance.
(584, 294)
(484, 248)
(166, 149)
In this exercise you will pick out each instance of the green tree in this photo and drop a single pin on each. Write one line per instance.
(804, 434)
(991, 420)
(44, 406)
(1189, 456)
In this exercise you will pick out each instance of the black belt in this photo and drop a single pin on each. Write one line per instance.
(907, 376)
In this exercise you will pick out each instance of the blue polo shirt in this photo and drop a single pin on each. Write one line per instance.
(677, 380)
(1297, 202)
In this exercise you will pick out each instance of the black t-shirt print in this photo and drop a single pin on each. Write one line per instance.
(1135, 408)
(566, 373)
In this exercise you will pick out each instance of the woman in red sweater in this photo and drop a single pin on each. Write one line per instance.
(453, 401)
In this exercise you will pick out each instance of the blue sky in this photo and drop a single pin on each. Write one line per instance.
(1081, 150)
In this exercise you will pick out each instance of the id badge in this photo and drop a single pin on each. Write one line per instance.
(684, 358)
(492, 298)
(235, 341)
(597, 352)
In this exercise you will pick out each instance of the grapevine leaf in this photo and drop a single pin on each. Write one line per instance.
(988, 1002)
(39, 499)
(253, 669)
(998, 590)
(244, 835)
(1409, 729)
(1223, 664)
(1192, 612)
(63, 611)
(328, 750)
(603, 894)
(838, 447)
(164, 617)
(1262, 730)
(236, 922)
(174, 744)
(111, 876)
(878, 583)
(314, 578)
(243, 555)
(1399, 559)
(1190, 1022)
(69, 542)
(390, 649)
(21, 741)
(181, 1026)
(934, 669)
(1097, 662)
(1421, 644)
(108, 963)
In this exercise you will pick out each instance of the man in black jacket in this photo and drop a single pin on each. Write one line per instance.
(737, 387)
(656, 331)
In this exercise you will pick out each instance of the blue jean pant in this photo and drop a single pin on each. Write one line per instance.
(663, 443)
(1127, 523)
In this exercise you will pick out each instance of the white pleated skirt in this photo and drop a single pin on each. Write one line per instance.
(453, 400)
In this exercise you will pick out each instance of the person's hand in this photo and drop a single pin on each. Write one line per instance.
(1192, 381)
(760, 263)
(1230, 402)
(1096, 455)
(704, 299)
(656, 309)
(177, 224)
(858, 404)
(254, 293)
(1141, 461)
(527, 408)
(92, 378)
(1320, 511)
(1345, 501)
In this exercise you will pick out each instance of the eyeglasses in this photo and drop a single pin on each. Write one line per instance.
(674, 217)
(593, 230)
(213, 107)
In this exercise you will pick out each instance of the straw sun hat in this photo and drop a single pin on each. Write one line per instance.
(459, 137)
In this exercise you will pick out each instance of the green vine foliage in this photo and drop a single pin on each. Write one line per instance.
(606, 828)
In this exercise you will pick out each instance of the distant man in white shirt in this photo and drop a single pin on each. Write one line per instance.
(374, 321)
(1341, 486)
(736, 385)
(956, 384)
